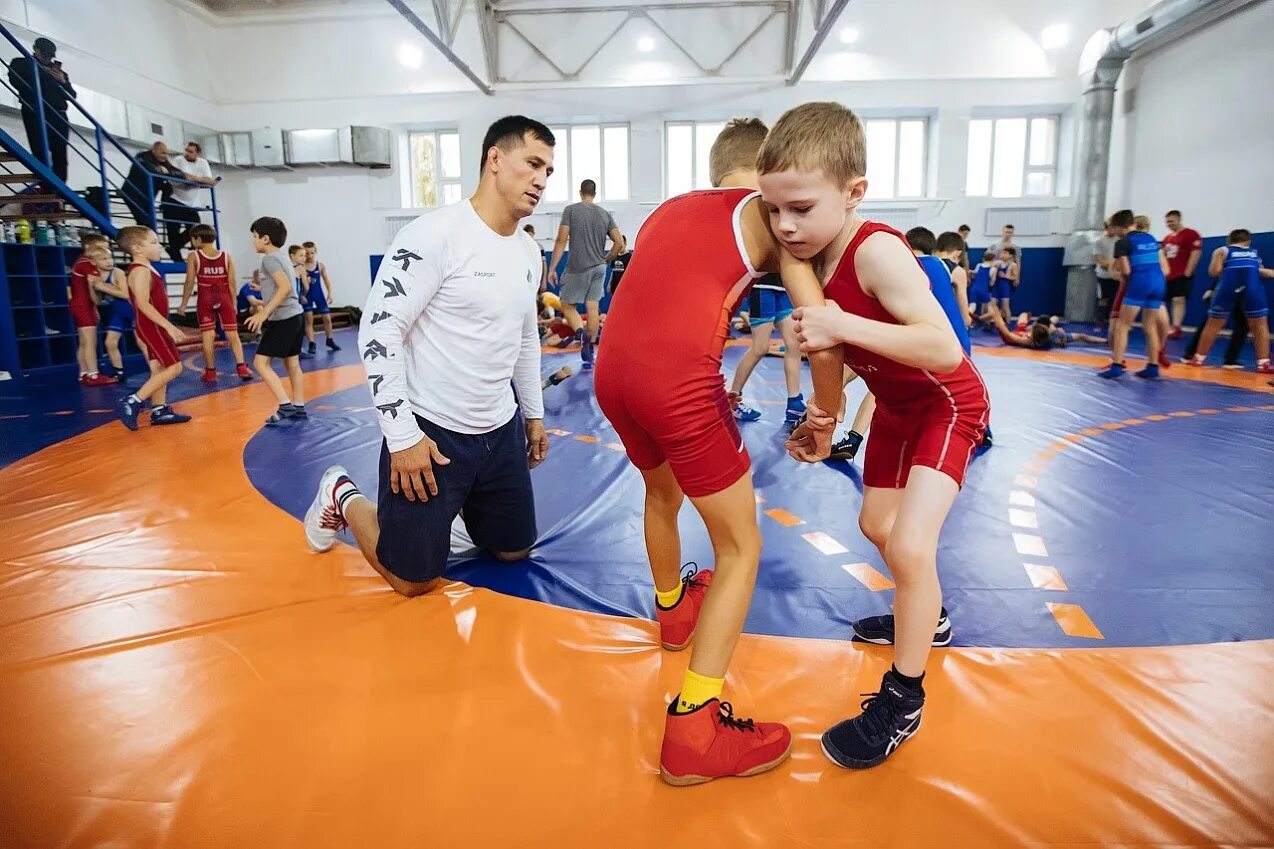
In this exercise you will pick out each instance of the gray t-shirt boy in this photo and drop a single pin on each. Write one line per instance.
(270, 263)
(589, 226)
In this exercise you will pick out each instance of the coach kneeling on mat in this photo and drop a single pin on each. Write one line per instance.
(449, 323)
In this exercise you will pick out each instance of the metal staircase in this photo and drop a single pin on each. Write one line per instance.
(35, 328)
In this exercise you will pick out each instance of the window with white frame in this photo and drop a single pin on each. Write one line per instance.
(896, 157)
(1012, 157)
(434, 156)
(687, 145)
(597, 152)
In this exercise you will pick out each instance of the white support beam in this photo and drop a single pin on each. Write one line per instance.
(820, 35)
(677, 44)
(744, 43)
(789, 41)
(443, 48)
(660, 5)
(561, 75)
(456, 17)
(490, 39)
(442, 18)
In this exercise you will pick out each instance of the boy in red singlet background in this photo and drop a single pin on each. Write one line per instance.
(212, 270)
(931, 405)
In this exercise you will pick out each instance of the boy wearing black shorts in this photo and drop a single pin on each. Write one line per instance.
(279, 321)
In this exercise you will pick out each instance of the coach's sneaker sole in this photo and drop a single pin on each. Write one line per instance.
(879, 630)
(323, 520)
(709, 743)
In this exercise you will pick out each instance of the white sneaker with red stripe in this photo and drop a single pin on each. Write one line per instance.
(323, 521)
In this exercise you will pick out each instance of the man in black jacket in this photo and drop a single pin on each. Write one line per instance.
(139, 197)
(55, 91)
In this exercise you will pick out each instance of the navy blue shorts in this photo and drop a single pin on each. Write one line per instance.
(487, 478)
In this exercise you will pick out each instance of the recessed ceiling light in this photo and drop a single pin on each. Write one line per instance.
(1055, 36)
(645, 44)
(848, 35)
(410, 56)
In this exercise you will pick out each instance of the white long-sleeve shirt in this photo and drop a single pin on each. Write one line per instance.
(449, 322)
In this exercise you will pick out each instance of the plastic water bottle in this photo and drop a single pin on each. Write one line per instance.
(23, 231)
(10, 232)
(42, 233)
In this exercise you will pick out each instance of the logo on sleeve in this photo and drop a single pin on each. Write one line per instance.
(405, 257)
(393, 288)
(390, 410)
(379, 317)
(374, 349)
(376, 380)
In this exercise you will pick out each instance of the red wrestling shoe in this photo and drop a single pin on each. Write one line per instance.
(677, 623)
(709, 742)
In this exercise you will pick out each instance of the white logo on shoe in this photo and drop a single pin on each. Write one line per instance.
(897, 738)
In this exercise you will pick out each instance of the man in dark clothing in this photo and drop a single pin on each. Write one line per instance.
(55, 91)
(140, 197)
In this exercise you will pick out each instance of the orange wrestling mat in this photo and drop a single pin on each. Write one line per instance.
(178, 670)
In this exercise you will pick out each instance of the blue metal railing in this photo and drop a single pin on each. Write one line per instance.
(137, 206)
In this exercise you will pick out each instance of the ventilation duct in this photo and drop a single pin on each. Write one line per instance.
(1153, 27)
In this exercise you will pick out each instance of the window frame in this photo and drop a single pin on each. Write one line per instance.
(440, 182)
(1028, 170)
(563, 167)
(694, 124)
(925, 129)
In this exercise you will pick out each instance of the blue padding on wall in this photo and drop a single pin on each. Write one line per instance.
(1043, 286)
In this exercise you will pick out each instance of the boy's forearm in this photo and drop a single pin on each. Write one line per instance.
(827, 373)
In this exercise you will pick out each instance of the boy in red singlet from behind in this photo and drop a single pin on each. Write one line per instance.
(661, 386)
(931, 404)
(149, 295)
(212, 270)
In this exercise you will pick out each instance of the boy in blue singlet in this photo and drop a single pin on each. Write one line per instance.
(950, 249)
(296, 255)
(923, 244)
(1240, 268)
(1141, 262)
(320, 298)
(980, 289)
(1006, 276)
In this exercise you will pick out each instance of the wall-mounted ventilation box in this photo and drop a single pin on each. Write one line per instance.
(267, 148)
(367, 146)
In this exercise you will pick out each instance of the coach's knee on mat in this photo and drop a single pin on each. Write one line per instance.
(412, 589)
(512, 556)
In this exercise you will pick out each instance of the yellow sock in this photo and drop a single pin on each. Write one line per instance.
(670, 598)
(696, 690)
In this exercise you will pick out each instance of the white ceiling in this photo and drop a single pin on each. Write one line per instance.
(549, 43)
